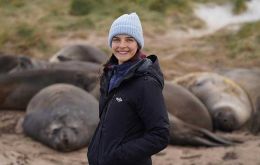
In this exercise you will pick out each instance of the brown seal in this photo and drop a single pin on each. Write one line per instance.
(228, 104)
(62, 116)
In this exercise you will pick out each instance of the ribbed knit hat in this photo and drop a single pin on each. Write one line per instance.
(127, 24)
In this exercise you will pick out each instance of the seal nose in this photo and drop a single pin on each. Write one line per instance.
(65, 139)
(224, 119)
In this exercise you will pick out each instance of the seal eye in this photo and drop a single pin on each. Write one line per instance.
(74, 130)
(55, 131)
(200, 82)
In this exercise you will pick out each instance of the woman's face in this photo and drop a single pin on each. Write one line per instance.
(124, 47)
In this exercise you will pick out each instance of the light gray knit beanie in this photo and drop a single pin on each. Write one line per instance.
(127, 24)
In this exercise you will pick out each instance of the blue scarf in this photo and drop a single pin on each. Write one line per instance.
(119, 71)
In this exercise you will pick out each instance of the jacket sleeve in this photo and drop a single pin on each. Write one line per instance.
(154, 116)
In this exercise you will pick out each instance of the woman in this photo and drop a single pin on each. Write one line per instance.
(133, 120)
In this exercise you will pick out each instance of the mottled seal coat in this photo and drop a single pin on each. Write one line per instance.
(227, 102)
(62, 117)
(185, 106)
(248, 79)
(80, 53)
(18, 88)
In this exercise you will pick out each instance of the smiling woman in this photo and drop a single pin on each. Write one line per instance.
(133, 121)
(124, 47)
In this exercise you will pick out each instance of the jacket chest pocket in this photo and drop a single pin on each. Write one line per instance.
(118, 111)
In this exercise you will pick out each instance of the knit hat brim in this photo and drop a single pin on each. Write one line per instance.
(128, 24)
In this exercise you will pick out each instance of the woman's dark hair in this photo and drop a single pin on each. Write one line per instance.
(112, 60)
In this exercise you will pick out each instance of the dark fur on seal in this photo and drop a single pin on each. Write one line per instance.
(62, 117)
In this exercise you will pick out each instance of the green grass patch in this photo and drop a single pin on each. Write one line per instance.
(243, 44)
(239, 6)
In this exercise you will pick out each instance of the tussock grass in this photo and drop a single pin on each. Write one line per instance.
(243, 44)
(29, 27)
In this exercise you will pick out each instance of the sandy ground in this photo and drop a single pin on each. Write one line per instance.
(16, 149)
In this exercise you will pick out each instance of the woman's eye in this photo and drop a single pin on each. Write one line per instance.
(115, 40)
(129, 39)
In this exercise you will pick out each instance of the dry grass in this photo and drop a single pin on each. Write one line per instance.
(33, 27)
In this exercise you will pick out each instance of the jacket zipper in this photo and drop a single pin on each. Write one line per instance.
(103, 120)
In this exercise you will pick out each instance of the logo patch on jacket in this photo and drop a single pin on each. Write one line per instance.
(119, 99)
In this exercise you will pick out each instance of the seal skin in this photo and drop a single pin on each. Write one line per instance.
(228, 104)
(79, 53)
(18, 88)
(249, 80)
(11, 63)
(185, 134)
(184, 105)
(62, 116)
(77, 65)
(190, 121)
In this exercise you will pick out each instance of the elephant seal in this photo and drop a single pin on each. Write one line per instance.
(79, 53)
(228, 104)
(249, 80)
(11, 63)
(19, 63)
(62, 116)
(16, 89)
(182, 133)
(184, 105)
(77, 65)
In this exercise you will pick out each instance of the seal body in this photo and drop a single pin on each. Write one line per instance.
(249, 80)
(18, 88)
(79, 53)
(184, 105)
(183, 133)
(227, 102)
(12, 63)
(62, 117)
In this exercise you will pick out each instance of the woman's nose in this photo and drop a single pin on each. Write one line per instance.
(122, 44)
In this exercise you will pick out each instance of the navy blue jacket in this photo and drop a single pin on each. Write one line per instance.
(133, 121)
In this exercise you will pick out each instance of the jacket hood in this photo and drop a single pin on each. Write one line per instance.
(140, 66)
(150, 66)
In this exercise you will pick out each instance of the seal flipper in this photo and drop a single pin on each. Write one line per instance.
(182, 133)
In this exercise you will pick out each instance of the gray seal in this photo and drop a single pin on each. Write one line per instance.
(18, 88)
(184, 105)
(249, 80)
(80, 52)
(185, 134)
(190, 121)
(12, 63)
(62, 117)
(228, 104)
